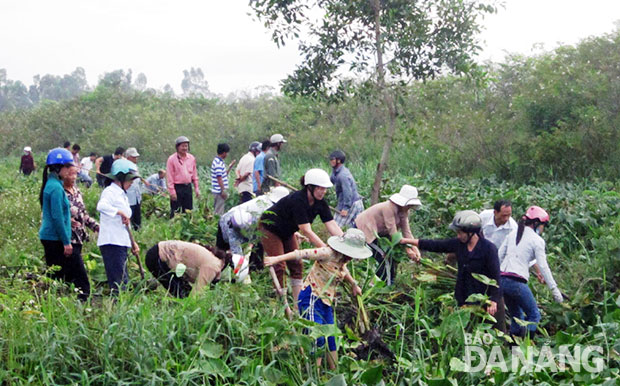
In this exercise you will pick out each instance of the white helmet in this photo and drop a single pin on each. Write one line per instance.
(241, 219)
(241, 267)
(278, 193)
(318, 177)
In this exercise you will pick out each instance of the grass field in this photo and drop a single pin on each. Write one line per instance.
(237, 334)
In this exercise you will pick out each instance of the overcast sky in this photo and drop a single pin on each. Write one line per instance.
(161, 38)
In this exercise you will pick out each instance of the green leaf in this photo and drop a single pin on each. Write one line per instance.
(485, 280)
(337, 380)
(457, 365)
(373, 375)
(212, 350)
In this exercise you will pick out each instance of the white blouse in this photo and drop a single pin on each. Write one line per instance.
(111, 228)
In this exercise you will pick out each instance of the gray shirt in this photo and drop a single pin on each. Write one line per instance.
(346, 188)
(272, 168)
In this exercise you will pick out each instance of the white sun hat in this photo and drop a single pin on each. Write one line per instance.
(352, 243)
(27, 148)
(277, 138)
(278, 193)
(408, 195)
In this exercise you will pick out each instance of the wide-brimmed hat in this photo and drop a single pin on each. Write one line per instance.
(277, 193)
(27, 148)
(352, 244)
(408, 195)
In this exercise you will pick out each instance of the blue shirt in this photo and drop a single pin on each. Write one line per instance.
(56, 224)
(260, 168)
(218, 169)
(346, 188)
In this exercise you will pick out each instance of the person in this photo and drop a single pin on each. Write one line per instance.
(234, 226)
(271, 162)
(474, 254)
(86, 165)
(244, 171)
(497, 223)
(319, 289)
(134, 193)
(219, 179)
(384, 220)
(293, 213)
(350, 203)
(521, 247)
(55, 231)
(156, 183)
(67, 145)
(179, 264)
(103, 166)
(115, 217)
(259, 167)
(181, 173)
(80, 220)
(27, 164)
(75, 151)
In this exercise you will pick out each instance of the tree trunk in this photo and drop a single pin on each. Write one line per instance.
(388, 100)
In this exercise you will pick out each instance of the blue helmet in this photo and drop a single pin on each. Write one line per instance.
(59, 156)
(124, 170)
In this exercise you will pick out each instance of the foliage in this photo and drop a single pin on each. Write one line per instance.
(238, 334)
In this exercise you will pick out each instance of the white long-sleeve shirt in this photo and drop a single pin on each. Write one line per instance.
(111, 229)
(515, 258)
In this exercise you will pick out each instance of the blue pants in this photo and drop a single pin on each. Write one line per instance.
(115, 263)
(312, 308)
(519, 299)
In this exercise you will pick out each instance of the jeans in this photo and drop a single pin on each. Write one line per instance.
(115, 263)
(136, 216)
(85, 178)
(519, 299)
(72, 268)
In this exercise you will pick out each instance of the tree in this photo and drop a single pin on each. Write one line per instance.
(194, 84)
(383, 43)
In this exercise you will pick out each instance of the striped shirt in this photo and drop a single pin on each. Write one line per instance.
(218, 169)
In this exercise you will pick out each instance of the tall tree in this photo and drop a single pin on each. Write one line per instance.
(383, 43)
(194, 83)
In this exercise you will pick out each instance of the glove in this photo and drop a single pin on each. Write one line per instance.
(557, 295)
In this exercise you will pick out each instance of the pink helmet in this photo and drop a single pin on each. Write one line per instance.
(537, 213)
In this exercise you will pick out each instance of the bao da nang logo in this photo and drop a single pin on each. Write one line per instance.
(482, 353)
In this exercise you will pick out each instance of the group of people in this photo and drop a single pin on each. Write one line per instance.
(272, 220)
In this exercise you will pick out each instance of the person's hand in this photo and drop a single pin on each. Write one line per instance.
(68, 250)
(74, 223)
(356, 290)
(224, 195)
(344, 213)
(557, 295)
(124, 218)
(197, 194)
(540, 277)
(135, 249)
(492, 308)
(301, 238)
(414, 254)
(173, 196)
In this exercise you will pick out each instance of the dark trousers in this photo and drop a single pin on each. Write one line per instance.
(184, 199)
(103, 181)
(387, 267)
(136, 216)
(246, 196)
(72, 268)
(115, 263)
(176, 286)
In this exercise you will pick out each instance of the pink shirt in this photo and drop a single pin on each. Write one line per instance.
(181, 171)
(383, 219)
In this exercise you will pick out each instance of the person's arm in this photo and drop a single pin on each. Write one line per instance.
(57, 202)
(257, 179)
(333, 228)
(194, 172)
(98, 162)
(169, 173)
(220, 182)
(307, 231)
(355, 289)
(492, 268)
(541, 260)
(206, 274)
(441, 246)
(347, 196)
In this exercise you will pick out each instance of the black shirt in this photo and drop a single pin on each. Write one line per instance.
(106, 164)
(482, 260)
(286, 215)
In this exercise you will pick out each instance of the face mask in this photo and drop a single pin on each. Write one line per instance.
(538, 231)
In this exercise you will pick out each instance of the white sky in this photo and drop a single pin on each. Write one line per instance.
(161, 38)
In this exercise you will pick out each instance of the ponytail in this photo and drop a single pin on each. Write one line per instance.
(55, 169)
(220, 254)
(522, 224)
